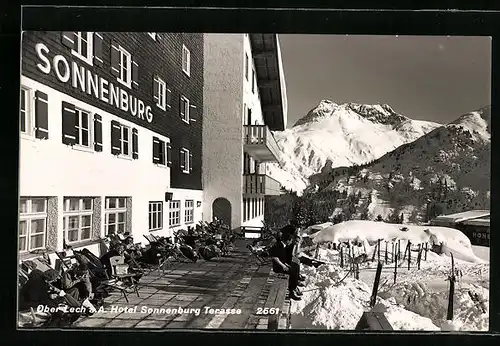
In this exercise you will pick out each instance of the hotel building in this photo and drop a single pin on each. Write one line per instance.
(111, 136)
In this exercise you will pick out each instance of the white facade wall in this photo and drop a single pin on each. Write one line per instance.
(223, 123)
(49, 168)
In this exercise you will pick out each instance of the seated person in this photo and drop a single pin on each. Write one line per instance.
(38, 290)
(284, 262)
(75, 282)
(131, 249)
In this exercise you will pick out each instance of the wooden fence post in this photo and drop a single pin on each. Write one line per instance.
(399, 249)
(349, 246)
(373, 299)
(378, 250)
(426, 249)
(392, 252)
(449, 315)
(386, 259)
(395, 268)
(419, 257)
(341, 257)
(409, 254)
(374, 252)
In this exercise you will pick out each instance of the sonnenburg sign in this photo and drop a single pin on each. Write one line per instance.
(92, 84)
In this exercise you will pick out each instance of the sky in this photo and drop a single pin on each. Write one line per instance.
(434, 78)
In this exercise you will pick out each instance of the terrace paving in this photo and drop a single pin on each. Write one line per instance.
(232, 282)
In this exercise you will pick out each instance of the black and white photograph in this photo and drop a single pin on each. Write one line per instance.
(254, 181)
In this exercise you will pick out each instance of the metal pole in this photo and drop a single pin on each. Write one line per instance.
(399, 249)
(375, 285)
(392, 251)
(395, 268)
(341, 256)
(378, 250)
(386, 252)
(409, 254)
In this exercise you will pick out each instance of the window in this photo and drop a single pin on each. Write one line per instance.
(253, 81)
(186, 161)
(184, 109)
(115, 215)
(186, 60)
(155, 216)
(125, 141)
(152, 35)
(161, 152)
(174, 213)
(83, 46)
(82, 125)
(246, 66)
(189, 211)
(25, 113)
(160, 92)
(125, 67)
(32, 224)
(77, 219)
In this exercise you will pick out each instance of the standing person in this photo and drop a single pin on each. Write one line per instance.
(284, 262)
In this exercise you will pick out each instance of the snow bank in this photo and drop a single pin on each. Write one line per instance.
(453, 241)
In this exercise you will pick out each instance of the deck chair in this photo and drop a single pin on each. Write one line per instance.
(66, 260)
(259, 255)
(120, 278)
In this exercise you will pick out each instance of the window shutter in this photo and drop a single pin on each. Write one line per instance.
(115, 59)
(116, 134)
(68, 39)
(191, 107)
(41, 115)
(156, 150)
(156, 88)
(68, 123)
(190, 162)
(135, 75)
(169, 155)
(169, 98)
(98, 56)
(182, 159)
(181, 108)
(135, 144)
(97, 132)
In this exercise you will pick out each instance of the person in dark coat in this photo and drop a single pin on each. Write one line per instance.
(76, 283)
(119, 250)
(284, 262)
(40, 289)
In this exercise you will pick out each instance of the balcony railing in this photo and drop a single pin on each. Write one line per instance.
(260, 143)
(260, 184)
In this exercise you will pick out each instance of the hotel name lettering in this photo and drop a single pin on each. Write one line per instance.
(92, 84)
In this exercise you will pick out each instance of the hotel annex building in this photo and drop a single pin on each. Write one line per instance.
(115, 135)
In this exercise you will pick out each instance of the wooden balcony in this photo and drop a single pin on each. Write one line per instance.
(260, 184)
(259, 142)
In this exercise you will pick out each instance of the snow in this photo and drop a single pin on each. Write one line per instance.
(334, 299)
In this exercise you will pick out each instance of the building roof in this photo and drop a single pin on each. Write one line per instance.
(270, 79)
(460, 217)
(484, 221)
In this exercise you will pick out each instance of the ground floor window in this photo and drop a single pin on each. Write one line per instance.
(174, 214)
(77, 219)
(155, 216)
(189, 211)
(32, 224)
(115, 215)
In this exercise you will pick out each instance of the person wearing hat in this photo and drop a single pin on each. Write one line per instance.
(76, 283)
(285, 263)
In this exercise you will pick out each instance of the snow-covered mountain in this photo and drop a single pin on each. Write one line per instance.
(449, 166)
(341, 135)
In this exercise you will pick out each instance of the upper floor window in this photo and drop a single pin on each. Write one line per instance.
(32, 224)
(161, 152)
(160, 92)
(26, 123)
(125, 140)
(184, 109)
(152, 35)
(125, 67)
(186, 163)
(246, 66)
(186, 60)
(83, 128)
(83, 46)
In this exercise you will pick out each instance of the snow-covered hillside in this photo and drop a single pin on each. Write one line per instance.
(343, 135)
(450, 164)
